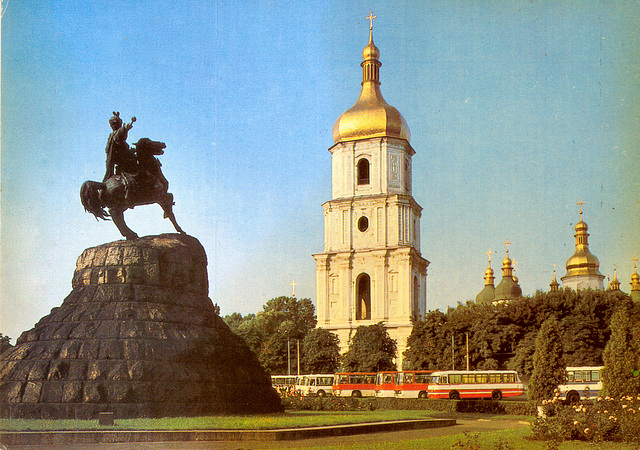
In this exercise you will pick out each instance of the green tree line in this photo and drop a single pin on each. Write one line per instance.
(504, 336)
(500, 336)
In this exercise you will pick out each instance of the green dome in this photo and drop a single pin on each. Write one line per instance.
(486, 295)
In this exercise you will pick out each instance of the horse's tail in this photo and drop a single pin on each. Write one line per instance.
(90, 198)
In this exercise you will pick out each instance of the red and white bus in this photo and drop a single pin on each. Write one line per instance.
(386, 384)
(457, 384)
(413, 384)
(354, 384)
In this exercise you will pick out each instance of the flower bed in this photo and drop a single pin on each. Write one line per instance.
(601, 419)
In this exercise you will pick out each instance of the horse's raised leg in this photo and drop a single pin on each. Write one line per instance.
(167, 206)
(117, 215)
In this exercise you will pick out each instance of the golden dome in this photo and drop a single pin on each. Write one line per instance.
(582, 262)
(635, 278)
(554, 283)
(614, 285)
(371, 116)
(370, 51)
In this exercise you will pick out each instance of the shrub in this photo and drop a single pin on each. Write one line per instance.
(297, 403)
(602, 419)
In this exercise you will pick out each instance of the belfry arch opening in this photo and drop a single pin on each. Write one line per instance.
(363, 297)
(363, 171)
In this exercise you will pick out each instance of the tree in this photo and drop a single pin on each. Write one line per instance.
(427, 344)
(622, 355)
(549, 369)
(234, 320)
(371, 350)
(522, 362)
(5, 343)
(320, 351)
(282, 321)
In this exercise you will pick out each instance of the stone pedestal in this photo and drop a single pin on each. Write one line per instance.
(137, 336)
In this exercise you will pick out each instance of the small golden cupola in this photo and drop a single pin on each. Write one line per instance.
(487, 294)
(635, 282)
(508, 288)
(371, 116)
(554, 283)
(582, 266)
(614, 284)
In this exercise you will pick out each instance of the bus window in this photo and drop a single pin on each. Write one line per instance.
(495, 378)
(577, 376)
(468, 378)
(482, 378)
(408, 378)
(570, 376)
(370, 379)
(508, 378)
(595, 375)
(455, 378)
(422, 378)
(343, 379)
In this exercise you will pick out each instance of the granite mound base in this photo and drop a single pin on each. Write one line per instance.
(138, 336)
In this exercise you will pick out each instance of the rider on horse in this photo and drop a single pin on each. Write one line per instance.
(118, 152)
(132, 178)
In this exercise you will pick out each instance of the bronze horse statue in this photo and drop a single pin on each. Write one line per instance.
(142, 184)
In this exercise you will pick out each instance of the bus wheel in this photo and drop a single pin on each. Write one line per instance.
(356, 394)
(422, 394)
(454, 395)
(573, 397)
(496, 395)
(321, 393)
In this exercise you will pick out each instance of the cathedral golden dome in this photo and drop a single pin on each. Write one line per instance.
(582, 262)
(371, 116)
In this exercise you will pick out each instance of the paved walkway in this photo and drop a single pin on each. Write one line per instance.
(468, 425)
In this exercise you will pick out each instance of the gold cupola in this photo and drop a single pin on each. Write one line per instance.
(635, 282)
(487, 294)
(614, 284)
(371, 116)
(508, 288)
(554, 283)
(583, 265)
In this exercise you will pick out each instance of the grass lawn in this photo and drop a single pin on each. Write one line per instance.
(516, 439)
(294, 419)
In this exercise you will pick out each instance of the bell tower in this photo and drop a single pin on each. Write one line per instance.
(371, 269)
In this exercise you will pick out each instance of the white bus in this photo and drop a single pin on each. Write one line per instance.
(457, 384)
(582, 383)
(284, 383)
(319, 385)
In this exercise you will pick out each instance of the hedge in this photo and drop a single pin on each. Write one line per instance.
(295, 403)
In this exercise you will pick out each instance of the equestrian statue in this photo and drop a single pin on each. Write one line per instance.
(133, 178)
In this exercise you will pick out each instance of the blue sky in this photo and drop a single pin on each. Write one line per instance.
(517, 109)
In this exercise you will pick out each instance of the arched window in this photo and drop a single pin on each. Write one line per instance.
(363, 297)
(363, 171)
